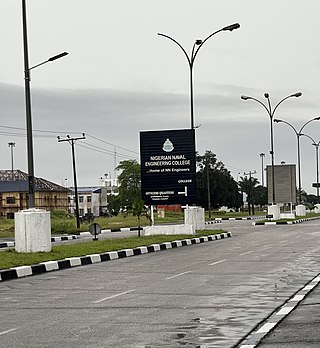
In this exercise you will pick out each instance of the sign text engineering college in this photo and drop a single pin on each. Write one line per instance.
(168, 167)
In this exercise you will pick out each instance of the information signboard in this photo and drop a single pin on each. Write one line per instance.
(168, 167)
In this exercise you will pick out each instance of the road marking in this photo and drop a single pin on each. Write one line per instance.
(297, 298)
(248, 252)
(217, 262)
(177, 275)
(6, 332)
(285, 310)
(113, 296)
(266, 327)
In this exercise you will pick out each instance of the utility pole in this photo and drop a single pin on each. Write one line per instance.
(72, 141)
(250, 198)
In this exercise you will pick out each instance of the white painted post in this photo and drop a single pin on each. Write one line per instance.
(301, 210)
(274, 210)
(194, 216)
(32, 231)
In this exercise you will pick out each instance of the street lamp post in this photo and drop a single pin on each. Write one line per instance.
(316, 145)
(271, 113)
(72, 141)
(12, 145)
(191, 58)
(262, 168)
(28, 103)
(298, 134)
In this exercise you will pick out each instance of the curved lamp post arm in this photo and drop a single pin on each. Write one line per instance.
(290, 125)
(298, 94)
(228, 28)
(176, 42)
(313, 119)
(244, 97)
(308, 136)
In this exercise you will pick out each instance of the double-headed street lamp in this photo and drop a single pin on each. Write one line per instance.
(191, 58)
(28, 103)
(271, 111)
(298, 134)
(316, 145)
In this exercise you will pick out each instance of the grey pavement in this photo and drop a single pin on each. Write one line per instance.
(300, 329)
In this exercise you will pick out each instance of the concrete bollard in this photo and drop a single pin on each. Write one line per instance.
(301, 210)
(194, 216)
(274, 210)
(32, 231)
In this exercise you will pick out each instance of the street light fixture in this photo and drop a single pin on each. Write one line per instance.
(28, 103)
(271, 113)
(316, 145)
(262, 168)
(191, 58)
(12, 145)
(298, 134)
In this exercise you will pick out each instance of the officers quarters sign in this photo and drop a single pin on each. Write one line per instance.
(168, 167)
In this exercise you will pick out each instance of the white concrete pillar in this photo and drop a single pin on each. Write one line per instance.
(274, 210)
(301, 210)
(32, 231)
(194, 216)
(317, 208)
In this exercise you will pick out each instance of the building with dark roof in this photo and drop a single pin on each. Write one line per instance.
(14, 193)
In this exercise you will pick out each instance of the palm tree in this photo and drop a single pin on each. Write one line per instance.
(248, 185)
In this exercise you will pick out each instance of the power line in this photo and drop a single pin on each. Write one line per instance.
(122, 148)
(106, 152)
(94, 147)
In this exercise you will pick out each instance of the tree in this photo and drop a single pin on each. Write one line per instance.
(129, 182)
(215, 185)
(260, 196)
(138, 209)
(114, 204)
(248, 186)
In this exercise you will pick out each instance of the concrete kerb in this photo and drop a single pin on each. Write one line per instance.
(272, 223)
(49, 266)
(253, 339)
(53, 239)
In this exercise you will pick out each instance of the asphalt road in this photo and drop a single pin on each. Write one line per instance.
(207, 295)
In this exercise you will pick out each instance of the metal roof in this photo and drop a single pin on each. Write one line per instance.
(91, 189)
(17, 181)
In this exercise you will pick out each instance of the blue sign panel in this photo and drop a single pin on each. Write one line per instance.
(168, 167)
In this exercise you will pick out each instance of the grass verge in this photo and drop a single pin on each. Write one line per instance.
(11, 258)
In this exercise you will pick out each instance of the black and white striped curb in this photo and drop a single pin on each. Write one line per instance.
(212, 222)
(122, 229)
(63, 238)
(255, 337)
(239, 218)
(285, 222)
(6, 244)
(53, 239)
(43, 267)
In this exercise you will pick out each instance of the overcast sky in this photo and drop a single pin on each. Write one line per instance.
(121, 78)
